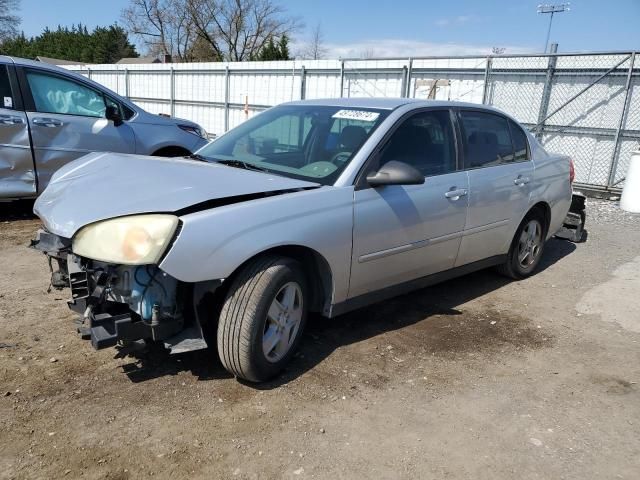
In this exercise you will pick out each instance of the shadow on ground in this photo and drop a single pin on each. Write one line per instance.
(431, 308)
(16, 210)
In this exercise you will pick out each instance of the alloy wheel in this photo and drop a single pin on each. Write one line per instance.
(283, 321)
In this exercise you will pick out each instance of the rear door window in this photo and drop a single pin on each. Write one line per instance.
(55, 94)
(487, 140)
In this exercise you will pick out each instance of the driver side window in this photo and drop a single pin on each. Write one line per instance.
(424, 141)
(55, 94)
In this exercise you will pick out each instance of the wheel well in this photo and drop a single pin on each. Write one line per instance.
(208, 305)
(544, 209)
(171, 151)
(317, 270)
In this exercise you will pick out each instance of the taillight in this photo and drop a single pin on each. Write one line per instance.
(572, 171)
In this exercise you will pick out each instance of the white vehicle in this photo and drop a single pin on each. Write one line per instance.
(313, 206)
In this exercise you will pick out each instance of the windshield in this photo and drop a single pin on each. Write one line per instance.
(307, 142)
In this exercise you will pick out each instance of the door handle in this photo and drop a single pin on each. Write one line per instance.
(47, 122)
(521, 180)
(455, 194)
(10, 120)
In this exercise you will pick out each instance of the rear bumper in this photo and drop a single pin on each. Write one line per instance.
(120, 304)
(573, 225)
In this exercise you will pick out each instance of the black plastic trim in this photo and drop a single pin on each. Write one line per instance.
(223, 202)
(16, 95)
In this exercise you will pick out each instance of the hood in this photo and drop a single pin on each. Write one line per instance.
(100, 186)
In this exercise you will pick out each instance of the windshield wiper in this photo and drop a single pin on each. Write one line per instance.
(197, 156)
(241, 164)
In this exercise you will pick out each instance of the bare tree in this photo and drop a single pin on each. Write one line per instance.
(237, 30)
(9, 20)
(315, 48)
(368, 53)
(164, 26)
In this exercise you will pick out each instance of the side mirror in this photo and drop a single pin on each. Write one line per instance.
(395, 173)
(113, 113)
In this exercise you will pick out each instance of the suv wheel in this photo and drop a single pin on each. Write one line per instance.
(262, 318)
(526, 248)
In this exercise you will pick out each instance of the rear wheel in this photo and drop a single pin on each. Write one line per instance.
(526, 248)
(262, 318)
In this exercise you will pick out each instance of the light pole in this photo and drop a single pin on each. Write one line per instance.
(551, 9)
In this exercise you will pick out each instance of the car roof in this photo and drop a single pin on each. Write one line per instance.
(384, 103)
(34, 63)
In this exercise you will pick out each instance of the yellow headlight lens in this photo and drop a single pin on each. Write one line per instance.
(134, 240)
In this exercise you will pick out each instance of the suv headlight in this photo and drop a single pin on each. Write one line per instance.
(134, 240)
(197, 131)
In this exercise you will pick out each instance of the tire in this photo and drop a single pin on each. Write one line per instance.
(527, 247)
(262, 318)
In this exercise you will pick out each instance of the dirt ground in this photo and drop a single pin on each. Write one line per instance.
(477, 378)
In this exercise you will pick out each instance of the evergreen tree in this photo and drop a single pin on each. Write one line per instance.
(274, 51)
(103, 45)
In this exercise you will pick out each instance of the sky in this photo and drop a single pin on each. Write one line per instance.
(385, 28)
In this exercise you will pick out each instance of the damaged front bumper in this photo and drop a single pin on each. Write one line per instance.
(121, 304)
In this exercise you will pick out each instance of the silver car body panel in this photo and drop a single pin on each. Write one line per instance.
(319, 219)
(58, 139)
(405, 232)
(17, 173)
(370, 238)
(144, 185)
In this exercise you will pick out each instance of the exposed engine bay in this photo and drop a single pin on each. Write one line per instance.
(121, 304)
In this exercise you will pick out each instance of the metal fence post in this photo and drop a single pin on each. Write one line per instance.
(303, 82)
(546, 91)
(617, 142)
(172, 77)
(341, 78)
(126, 83)
(226, 98)
(407, 93)
(403, 85)
(89, 73)
(487, 75)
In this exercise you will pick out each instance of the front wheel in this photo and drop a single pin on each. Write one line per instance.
(262, 318)
(526, 248)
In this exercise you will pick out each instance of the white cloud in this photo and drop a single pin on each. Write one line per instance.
(410, 48)
(457, 21)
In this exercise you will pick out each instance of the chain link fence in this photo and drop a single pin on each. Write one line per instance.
(583, 105)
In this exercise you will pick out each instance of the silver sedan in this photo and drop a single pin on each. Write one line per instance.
(314, 206)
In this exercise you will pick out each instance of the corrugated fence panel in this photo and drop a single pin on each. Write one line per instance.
(529, 87)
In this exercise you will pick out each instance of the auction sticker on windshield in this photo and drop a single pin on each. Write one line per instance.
(361, 115)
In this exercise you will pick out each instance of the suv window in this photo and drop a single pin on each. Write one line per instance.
(520, 142)
(55, 94)
(424, 141)
(7, 100)
(487, 141)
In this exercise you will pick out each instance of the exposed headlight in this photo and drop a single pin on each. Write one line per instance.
(134, 240)
(197, 131)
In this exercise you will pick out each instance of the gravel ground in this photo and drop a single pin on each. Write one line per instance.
(477, 378)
